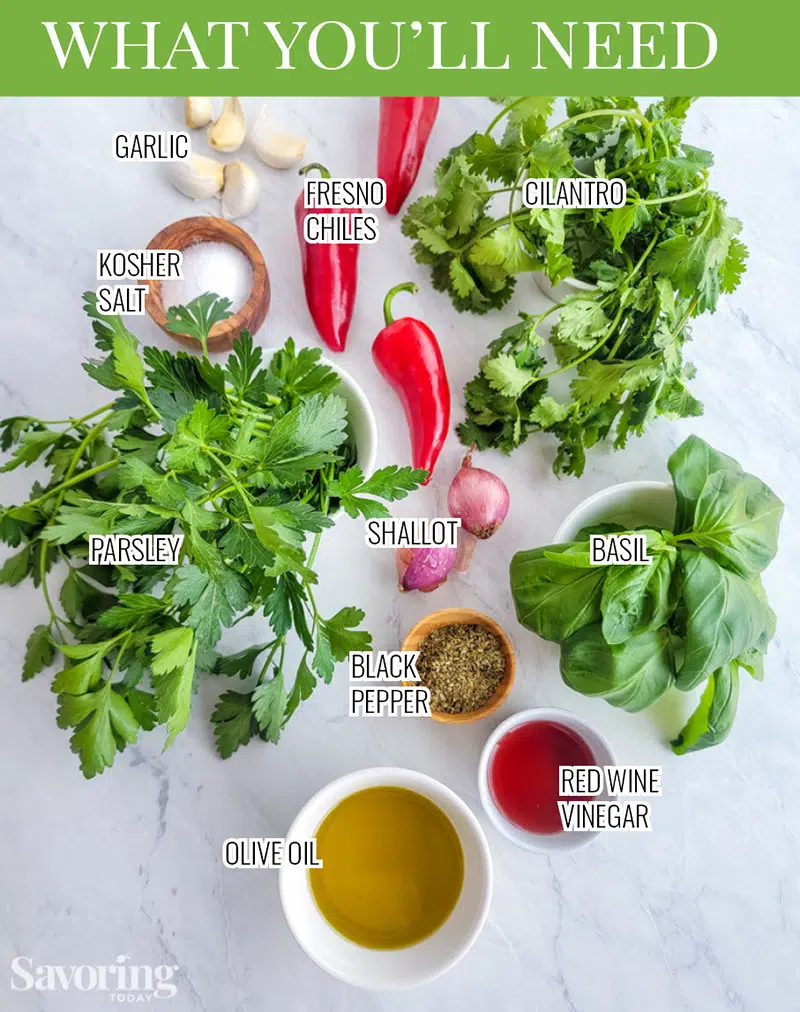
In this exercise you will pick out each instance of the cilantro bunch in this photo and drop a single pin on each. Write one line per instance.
(654, 264)
(249, 462)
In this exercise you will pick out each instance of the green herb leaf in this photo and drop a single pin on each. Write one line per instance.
(630, 675)
(234, 723)
(725, 617)
(39, 652)
(174, 683)
(269, 705)
(198, 317)
(554, 600)
(101, 719)
(711, 722)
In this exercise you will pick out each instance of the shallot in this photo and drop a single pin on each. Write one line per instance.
(423, 569)
(479, 498)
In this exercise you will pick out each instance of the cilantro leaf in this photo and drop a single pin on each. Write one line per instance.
(505, 376)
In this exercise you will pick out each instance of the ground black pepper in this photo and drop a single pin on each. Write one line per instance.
(462, 665)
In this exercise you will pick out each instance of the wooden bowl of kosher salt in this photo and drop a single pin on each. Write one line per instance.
(466, 616)
(187, 232)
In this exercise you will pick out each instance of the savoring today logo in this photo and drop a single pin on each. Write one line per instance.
(121, 981)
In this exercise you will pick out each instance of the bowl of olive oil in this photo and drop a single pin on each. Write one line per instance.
(405, 881)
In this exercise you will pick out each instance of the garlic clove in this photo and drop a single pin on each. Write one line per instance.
(281, 150)
(277, 148)
(241, 191)
(197, 177)
(229, 131)
(199, 112)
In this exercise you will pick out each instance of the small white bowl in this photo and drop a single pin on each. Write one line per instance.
(391, 969)
(361, 418)
(565, 288)
(543, 842)
(631, 503)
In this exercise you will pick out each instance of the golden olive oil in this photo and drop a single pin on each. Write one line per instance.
(392, 868)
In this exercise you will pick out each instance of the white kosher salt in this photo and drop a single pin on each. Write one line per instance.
(211, 267)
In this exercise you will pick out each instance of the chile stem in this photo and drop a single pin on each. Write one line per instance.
(407, 286)
(319, 167)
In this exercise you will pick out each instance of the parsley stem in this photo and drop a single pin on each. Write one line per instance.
(280, 642)
(118, 658)
(75, 480)
(43, 581)
(229, 475)
(244, 615)
(73, 422)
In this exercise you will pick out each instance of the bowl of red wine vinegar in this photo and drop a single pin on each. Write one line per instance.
(519, 775)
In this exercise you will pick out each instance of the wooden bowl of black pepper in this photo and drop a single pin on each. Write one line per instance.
(467, 662)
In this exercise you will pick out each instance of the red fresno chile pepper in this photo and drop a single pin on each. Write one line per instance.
(330, 273)
(410, 360)
(405, 126)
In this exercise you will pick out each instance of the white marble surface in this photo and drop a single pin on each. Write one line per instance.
(701, 915)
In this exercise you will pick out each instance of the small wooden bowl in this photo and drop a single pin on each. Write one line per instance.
(465, 616)
(180, 235)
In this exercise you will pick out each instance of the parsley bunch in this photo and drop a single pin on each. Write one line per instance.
(654, 264)
(248, 461)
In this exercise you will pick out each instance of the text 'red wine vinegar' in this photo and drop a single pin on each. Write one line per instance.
(523, 773)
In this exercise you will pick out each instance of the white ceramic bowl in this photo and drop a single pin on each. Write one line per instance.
(632, 504)
(361, 418)
(565, 288)
(396, 968)
(545, 842)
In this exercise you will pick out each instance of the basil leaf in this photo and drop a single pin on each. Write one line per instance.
(630, 675)
(551, 599)
(637, 598)
(737, 518)
(724, 617)
(690, 466)
(712, 720)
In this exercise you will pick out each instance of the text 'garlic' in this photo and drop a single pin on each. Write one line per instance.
(241, 191)
(277, 148)
(196, 176)
(199, 112)
(228, 133)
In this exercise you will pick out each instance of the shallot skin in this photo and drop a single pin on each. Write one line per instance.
(423, 569)
(479, 498)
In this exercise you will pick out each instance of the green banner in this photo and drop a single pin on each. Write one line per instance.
(447, 47)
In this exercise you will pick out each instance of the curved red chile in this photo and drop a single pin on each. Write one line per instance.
(408, 357)
(405, 126)
(330, 276)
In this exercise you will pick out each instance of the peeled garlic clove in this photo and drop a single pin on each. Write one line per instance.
(228, 133)
(199, 112)
(276, 148)
(196, 176)
(241, 191)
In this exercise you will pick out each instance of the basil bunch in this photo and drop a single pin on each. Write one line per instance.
(697, 613)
